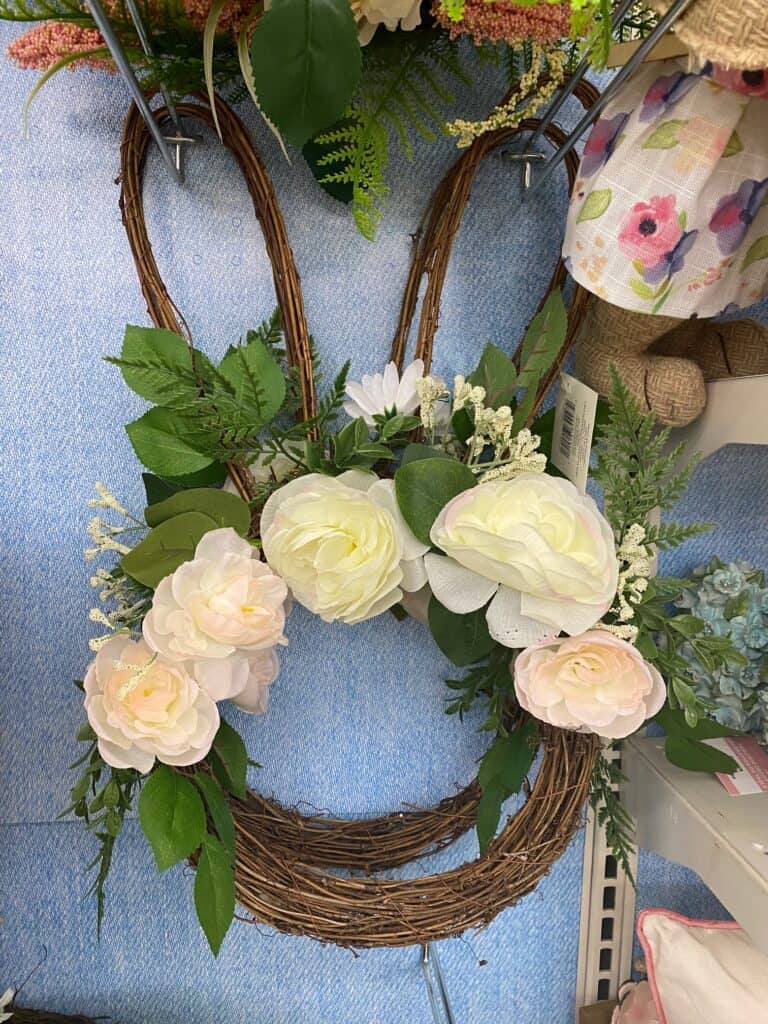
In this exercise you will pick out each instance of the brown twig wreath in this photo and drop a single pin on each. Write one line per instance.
(282, 855)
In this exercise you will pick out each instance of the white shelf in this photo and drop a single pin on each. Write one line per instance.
(736, 413)
(689, 818)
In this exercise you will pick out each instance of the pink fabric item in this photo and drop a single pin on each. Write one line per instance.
(637, 1006)
(703, 972)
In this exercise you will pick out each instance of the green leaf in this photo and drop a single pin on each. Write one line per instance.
(418, 452)
(497, 374)
(462, 638)
(157, 489)
(489, 813)
(169, 444)
(223, 508)
(733, 146)
(209, 40)
(256, 379)
(425, 487)
(695, 756)
(231, 758)
(595, 205)
(509, 759)
(542, 342)
(212, 474)
(306, 64)
(641, 289)
(757, 251)
(157, 364)
(218, 808)
(666, 136)
(214, 892)
(673, 722)
(167, 547)
(172, 816)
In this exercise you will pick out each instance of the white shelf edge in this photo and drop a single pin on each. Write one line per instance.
(736, 413)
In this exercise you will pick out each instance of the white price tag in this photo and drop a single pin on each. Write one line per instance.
(575, 412)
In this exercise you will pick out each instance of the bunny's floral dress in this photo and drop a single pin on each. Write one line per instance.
(670, 210)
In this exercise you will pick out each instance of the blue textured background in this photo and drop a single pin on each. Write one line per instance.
(349, 729)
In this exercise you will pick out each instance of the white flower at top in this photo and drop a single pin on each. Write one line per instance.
(342, 545)
(537, 549)
(381, 393)
(393, 14)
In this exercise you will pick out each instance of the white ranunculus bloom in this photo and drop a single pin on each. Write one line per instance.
(380, 393)
(342, 545)
(393, 14)
(242, 678)
(541, 550)
(142, 706)
(594, 682)
(222, 602)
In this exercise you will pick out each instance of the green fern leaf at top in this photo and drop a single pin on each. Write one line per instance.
(404, 91)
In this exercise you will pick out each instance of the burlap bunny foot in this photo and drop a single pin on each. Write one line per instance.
(736, 348)
(669, 385)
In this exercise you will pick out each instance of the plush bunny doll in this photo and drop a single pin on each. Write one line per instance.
(668, 221)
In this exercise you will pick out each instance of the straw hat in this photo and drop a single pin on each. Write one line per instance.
(729, 32)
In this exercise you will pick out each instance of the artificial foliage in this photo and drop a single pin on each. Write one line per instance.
(420, 447)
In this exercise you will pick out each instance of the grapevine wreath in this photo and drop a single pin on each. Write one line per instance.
(394, 494)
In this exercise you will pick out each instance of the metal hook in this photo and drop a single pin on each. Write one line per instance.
(442, 1011)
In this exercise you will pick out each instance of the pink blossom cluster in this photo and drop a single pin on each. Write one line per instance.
(45, 44)
(505, 21)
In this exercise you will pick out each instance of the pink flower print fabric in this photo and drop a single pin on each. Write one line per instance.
(670, 209)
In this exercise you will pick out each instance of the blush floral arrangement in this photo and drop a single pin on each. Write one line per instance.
(401, 496)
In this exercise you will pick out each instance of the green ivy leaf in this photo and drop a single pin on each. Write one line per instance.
(167, 547)
(214, 892)
(169, 444)
(497, 374)
(757, 251)
(158, 365)
(171, 815)
(218, 808)
(425, 487)
(306, 64)
(666, 136)
(223, 508)
(695, 756)
(256, 379)
(595, 205)
(462, 638)
(489, 813)
(230, 759)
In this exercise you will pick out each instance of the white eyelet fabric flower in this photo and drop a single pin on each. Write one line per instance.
(369, 14)
(534, 545)
(5, 1001)
(221, 602)
(594, 682)
(142, 706)
(380, 393)
(342, 545)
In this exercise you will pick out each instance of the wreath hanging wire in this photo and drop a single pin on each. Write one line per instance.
(288, 863)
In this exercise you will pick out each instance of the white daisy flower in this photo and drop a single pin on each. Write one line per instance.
(381, 393)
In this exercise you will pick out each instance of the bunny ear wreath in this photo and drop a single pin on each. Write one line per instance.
(158, 697)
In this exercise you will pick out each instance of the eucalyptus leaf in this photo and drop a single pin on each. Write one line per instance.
(425, 487)
(171, 815)
(306, 63)
(417, 452)
(214, 892)
(170, 444)
(167, 547)
(462, 638)
(224, 508)
(497, 374)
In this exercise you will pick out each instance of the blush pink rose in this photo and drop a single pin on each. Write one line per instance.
(650, 230)
(593, 682)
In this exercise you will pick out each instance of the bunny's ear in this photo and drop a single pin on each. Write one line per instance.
(671, 387)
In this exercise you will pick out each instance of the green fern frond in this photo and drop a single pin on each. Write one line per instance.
(403, 92)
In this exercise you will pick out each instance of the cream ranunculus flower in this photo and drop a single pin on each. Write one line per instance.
(534, 544)
(221, 603)
(142, 706)
(369, 14)
(594, 682)
(342, 545)
(242, 678)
